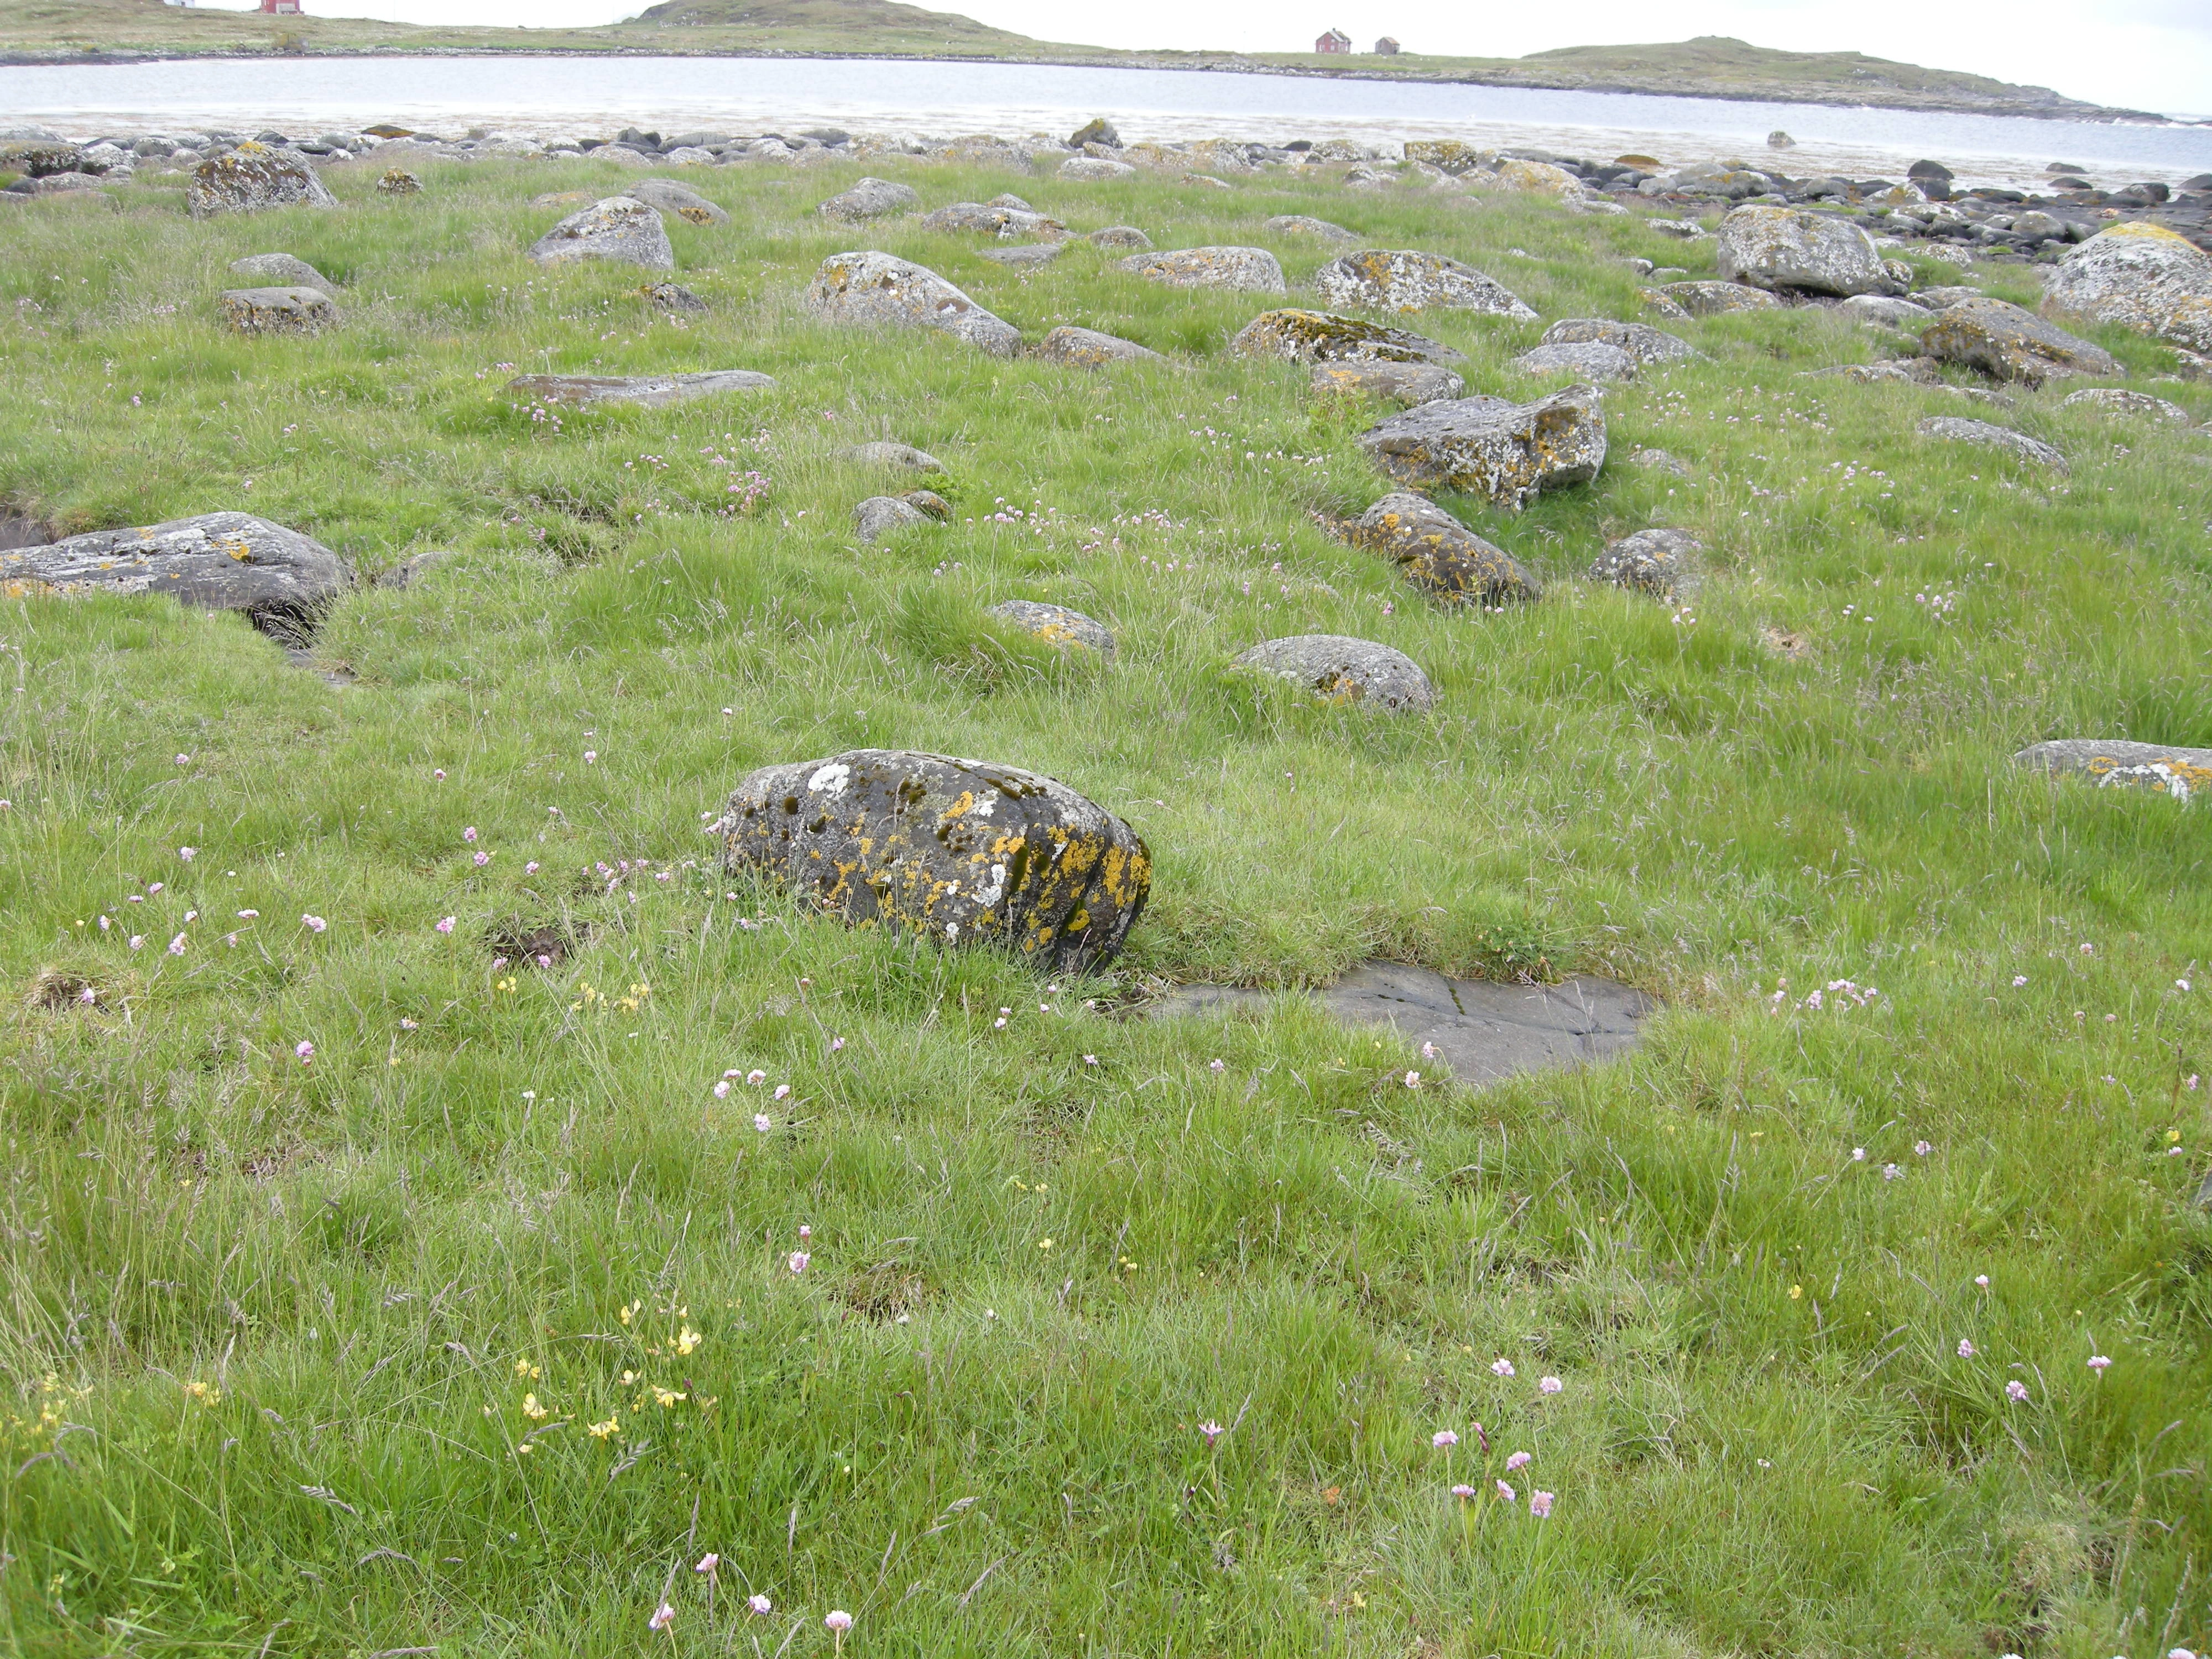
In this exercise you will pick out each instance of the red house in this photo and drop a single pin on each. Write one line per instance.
(280, 7)
(1335, 41)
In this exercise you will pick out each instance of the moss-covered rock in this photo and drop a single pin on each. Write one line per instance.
(1439, 554)
(1315, 337)
(1505, 453)
(251, 178)
(2003, 341)
(1406, 279)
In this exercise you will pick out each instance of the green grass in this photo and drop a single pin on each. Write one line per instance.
(268, 1327)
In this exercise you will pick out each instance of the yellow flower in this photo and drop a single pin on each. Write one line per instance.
(1796, 1290)
(604, 1431)
(532, 1410)
(507, 984)
(628, 1377)
(524, 1367)
(1044, 1243)
(666, 1397)
(688, 1339)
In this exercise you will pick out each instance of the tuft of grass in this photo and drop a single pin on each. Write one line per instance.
(472, 1324)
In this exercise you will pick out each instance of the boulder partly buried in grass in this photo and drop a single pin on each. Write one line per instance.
(2118, 400)
(2142, 277)
(1055, 624)
(621, 228)
(253, 177)
(1586, 360)
(1300, 224)
(1086, 348)
(1705, 299)
(1241, 269)
(964, 851)
(1641, 341)
(1383, 279)
(282, 270)
(2180, 773)
(1339, 669)
(1660, 562)
(280, 579)
(2009, 344)
(276, 310)
(881, 290)
(1504, 451)
(870, 198)
(1398, 383)
(1321, 337)
(646, 390)
(1958, 429)
(1439, 554)
(880, 515)
(686, 204)
(991, 218)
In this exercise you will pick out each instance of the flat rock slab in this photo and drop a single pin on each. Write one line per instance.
(1242, 269)
(647, 391)
(2007, 343)
(1057, 625)
(279, 578)
(2179, 773)
(1322, 336)
(876, 290)
(1958, 429)
(1483, 1031)
(1406, 279)
(1641, 341)
(1086, 348)
(1398, 383)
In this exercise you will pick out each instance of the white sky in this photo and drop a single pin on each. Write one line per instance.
(2143, 54)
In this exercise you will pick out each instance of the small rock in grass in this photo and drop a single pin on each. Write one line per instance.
(880, 515)
(1299, 224)
(1641, 341)
(620, 227)
(1025, 258)
(1504, 451)
(1957, 429)
(903, 458)
(1007, 198)
(397, 181)
(276, 310)
(1086, 348)
(1784, 643)
(870, 198)
(1439, 554)
(1057, 625)
(686, 204)
(1714, 299)
(1119, 236)
(1655, 301)
(1885, 311)
(873, 288)
(2117, 400)
(283, 271)
(646, 390)
(1400, 383)
(281, 579)
(1659, 563)
(2179, 773)
(2007, 343)
(966, 852)
(408, 572)
(930, 504)
(982, 219)
(1587, 359)
(1343, 669)
(1094, 167)
(1658, 460)
(1321, 337)
(672, 298)
(1384, 279)
(1240, 269)
(251, 178)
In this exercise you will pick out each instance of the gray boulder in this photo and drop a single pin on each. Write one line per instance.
(40, 156)
(880, 515)
(1119, 236)
(870, 198)
(1056, 624)
(966, 852)
(876, 290)
(902, 458)
(1343, 669)
(1086, 348)
(2117, 400)
(1399, 383)
(984, 219)
(621, 227)
(280, 579)
(1504, 451)
(1641, 341)
(1713, 299)
(1299, 224)
(276, 310)
(1885, 311)
(251, 178)
(646, 390)
(1780, 248)
(1097, 130)
(1659, 563)
(2007, 343)
(1944, 295)
(1321, 336)
(1383, 279)
(1094, 167)
(1031, 256)
(1591, 360)
(1439, 554)
(2179, 773)
(2141, 275)
(1240, 269)
(686, 204)
(282, 270)
(1957, 429)
(671, 299)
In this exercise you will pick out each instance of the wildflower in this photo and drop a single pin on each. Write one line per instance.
(1501, 1367)
(1540, 1505)
(1983, 1280)
(469, 834)
(782, 1092)
(835, 1044)
(439, 773)
(1796, 1291)
(138, 939)
(1444, 1439)
(184, 760)
(406, 1024)
(837, 1620)
(1412, 1079)
(482, 859)
(2019, 980)
(591, 757)
(1519, 1461)
(762, 1122)
(2016, 1391)
(687, 1339)
(1504, 1493)
(188, 853)
(2179, 984)
(1921, 1148)
(1092, 1059)
(756, 1078)
(707, 1562)
(604, 1431)
(1212, 1066)
(663, 1617)
(2088, 950)
(305, 1051)
(1549, 1385)
(1965, 1348)
(1890, 1172)
(1212, 1429)
(531, 868)
(1462, 1491)
(1858, 1154)
(806, 1232)
(2098, 1362)
(760, 1604)
(445, 925)
(1428, 1051)
(722, 1090)
(177, 946)
(530, 1409)
(666, 1398)
(797, 1261)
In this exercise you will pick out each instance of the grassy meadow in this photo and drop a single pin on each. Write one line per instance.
(360, 1296)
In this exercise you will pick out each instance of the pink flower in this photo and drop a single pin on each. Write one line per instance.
(1212, 1429)
(806, 1233)
(188, 853)
(1442, 1439)
(1965, 1349)
(184, 760)
(445, 925)
(762, 1122)
(837, 1620)
(305, 1051)
(1504, 1493)
(406, 1024)
(2019, 980)
(707, 1562)
(1921, 1148)
(482, 859)
(722, 1090)
(177, 946)
(1412, 1079)
(469, 834)
(1549, 1385)
(836, 1043)
(663, 1617)
(1519, 1460)
(1501, 1367)
(797, 1261)
(1540, 1505)
(1982, 1279)
(2015, 1390)
(138, 939)
(1428, 1051)
(2098, 1362)
(1462, 1491)
(1890, 1172)
(760, 1604)
(756, 1078)
(783, 1091)
(313, 924)
(439, 773)
(531, 868)
(1212, 1066)
(591, 757)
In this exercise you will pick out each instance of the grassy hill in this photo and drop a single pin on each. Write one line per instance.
(1711, 66)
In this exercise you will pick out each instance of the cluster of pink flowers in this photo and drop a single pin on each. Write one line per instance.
(1837, 993)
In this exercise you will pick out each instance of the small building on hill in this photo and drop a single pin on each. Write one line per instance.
(280, 7)
(1335, 42)
(1387, 47)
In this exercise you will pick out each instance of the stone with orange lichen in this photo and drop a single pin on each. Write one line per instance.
(281, 579)
(964, 851)
(1406, 279)
(1439, 554)
(1504, 451)
(2179, 773)
(1056, 624)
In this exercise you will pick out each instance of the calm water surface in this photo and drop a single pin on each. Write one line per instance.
(545, 96)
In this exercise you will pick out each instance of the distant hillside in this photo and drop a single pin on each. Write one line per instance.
(1711, 66)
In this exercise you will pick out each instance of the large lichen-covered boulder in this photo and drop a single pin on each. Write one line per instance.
(2118, 400)
(1957, 429)
(965, 851)
(1586, 360)
(1302, 224)
(1384, 279)
(882, 290)
(1504, 451)
(1321, 336)
(870, 198)
(1452, 156)
(276, 310)
(1240, 269)
(992, 219)
(1439, 554)
(1641, 341)
(1399, 383)
(1660, 562)
(279, 578)
(251, 178)
(1086, 348)
(2180, 773)
(2009, 344)
(1095, 168)
(1343, 669)
(686, 204)
(1704, 299)
(1539, 178)
(646, 390)
(621, 228)
(2142, 276)
(1055, 624)
(282, 270)
(1780, 248)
